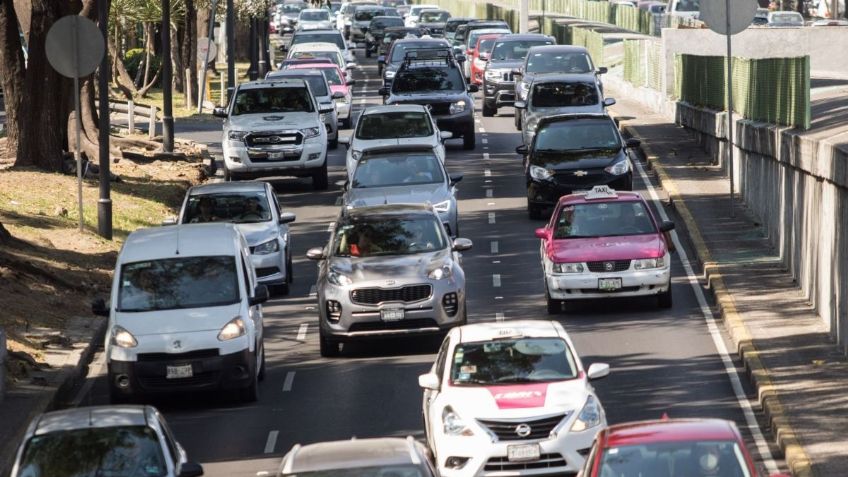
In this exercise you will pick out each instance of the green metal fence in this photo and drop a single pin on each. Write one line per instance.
(642, 63)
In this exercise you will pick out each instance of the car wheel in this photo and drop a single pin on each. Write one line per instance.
(251, 392)
(228, 176)
(379, 70)
(279, 290)
(117, 397)
(554, 306)
(489, 111)
(664, 299)
(320, 178)
(333, 143)
(346, 122)
(469, 139)
(261, 375)
(289, 270)
(534, 211)
(329, 348)
(517, 120)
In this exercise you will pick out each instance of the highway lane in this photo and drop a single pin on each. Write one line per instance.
(663, 361)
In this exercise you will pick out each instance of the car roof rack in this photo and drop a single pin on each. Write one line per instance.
(429, 56)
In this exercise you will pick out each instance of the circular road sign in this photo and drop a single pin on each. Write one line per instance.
(204, 44)
(714, 14)
(72, 38)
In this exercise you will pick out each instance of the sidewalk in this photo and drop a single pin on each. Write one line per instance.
(797, 371)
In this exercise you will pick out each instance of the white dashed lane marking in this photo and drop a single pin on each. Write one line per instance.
(485, 141)
(496, 280)
(489, 193)
(330, 227)
(486, 156)
(494, 247)
(491, 217)
(301, 332)
(499, 316)
(287, 384)
(271, 442)
(487, 172)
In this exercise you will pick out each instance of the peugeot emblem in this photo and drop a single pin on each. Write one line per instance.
(523, 430)
(609, 266)
(580, 173)
(177, 344)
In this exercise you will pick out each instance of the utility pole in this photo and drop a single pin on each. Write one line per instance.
(167, 87)
(104, 204)
(231, 50)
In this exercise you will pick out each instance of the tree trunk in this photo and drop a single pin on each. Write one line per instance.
(144, 89)
(148, 50)
(177, 71)
(189, 48)
(121, 78)
(11, 73)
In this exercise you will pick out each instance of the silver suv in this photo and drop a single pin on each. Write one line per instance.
(388, 270)
(323, 95)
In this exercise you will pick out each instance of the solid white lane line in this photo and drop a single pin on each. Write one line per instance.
(715, 333)
(499, 316)
(489, 193)
(494, 247)
(487, 172)
(271, 442)
(491, 217)
(496, 280)
(484, 141)
(313, 291)
(301, 332)
(289, 381)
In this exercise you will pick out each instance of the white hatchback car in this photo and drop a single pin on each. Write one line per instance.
(510, 398)
(394, 125)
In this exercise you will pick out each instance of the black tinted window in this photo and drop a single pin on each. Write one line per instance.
(392, 236)
(603, 219)
(272, 100)
(557, 95)
(558, 63)
(366, 15)
(398, 170)
(428, 79)
(393, 125)
(514, 50)
(577, 135)
(242, 207)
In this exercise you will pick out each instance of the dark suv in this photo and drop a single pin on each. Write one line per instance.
(432, 77)
(508, 53)
(374, 36)
(397, 54)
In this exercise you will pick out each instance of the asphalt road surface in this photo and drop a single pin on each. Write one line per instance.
(663, 361)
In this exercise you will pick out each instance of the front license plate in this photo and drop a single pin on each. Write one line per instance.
(609, 284)
(179, 372)
(392, 314)
(523, 453)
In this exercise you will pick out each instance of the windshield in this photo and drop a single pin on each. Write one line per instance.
(128, 451)
(451, 25)
(394, 3)
(605, 219)
(558, 95)
(559, 63)
(484, 47)
(509, 361)
(316, 83)
(393, 125)
(237, 207)
(385, 471)
(333, 77)
(272, 100)
(475, 35)
(368, 237)
(676, 459)
(366, 15)
(398, 170)
(331, 55)
(515, 50)
(317, 16)
(793, 18)
(399, 50)
(434, 17)
(577, 135)
(167, 284)
(428, 79)
(688, 6)
(333, 38)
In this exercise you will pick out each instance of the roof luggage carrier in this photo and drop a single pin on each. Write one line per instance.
(429, 57)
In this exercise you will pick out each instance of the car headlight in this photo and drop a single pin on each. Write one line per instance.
(309, 133)
(540, 173)
(237, 136)
(619, 168)
(494, 75)
(648, 263)
(453, 425)
(457, 107)
(440, 273)
(444, 206)
(568, 268)
(390, 74)
(265, 248)
(524, 87)
(589, 417)
(232, 330)
(323, 117)
(356, 155)
(123, 338)
(338, 279)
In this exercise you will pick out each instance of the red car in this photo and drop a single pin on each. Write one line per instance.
(671, 448)
(480, 56)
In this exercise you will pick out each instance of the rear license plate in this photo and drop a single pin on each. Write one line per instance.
(523, 453)
(609, 284)
(179, 372)
(391, 314)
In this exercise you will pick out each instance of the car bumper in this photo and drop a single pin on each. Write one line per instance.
(342, 110)
(499, 94)
(572, 286)
(458, 124)
(297, 160)
(548, 192)
(270, 268)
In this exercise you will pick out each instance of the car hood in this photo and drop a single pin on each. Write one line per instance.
(399, 267)
(361, 145)
(624, 247)
(427, 98)
(434, 193)
(339, 88)
(543, 112)
(517, 400)
(503, 64)
(185, 320)
(272, 121)
(259, 232)
(579, 160)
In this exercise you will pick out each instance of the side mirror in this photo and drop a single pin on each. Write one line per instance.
(598, 371)
(260, 295)
(338, 95)
(609, 102)
(351, 64)
(473, 88)
(429, 381)
(99, 308)
(522, 149)
(461, 58)
(170, 221)
(382, 92)
(287, 218)
(350, 82)
(602, 70)
(633, 143)
(455, 179)
(316, 253)
(520, 104)
(344, 140)
(667, 226)
(461, 244)
(542, 233)
(517, 72)
(445, 135)
(190, 469)
(219, 113)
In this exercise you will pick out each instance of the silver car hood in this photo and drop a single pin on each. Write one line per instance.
(408, 194)
(272, 121)
(259, 232)
(400, 268)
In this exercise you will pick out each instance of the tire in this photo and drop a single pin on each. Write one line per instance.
(289, 270)
(469, 139)
(346, 122)
(320, 178)
(489, 111)
(534, 211)
(329, 348)
(333, 143)
(554, 306)
(251, 392)
(379, 70)
(279, 290)
(228, 176)
(261, 375)
(517, 120)
(664, 299)
(116, 397)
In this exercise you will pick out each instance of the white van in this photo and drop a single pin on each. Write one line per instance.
(684, 8)
(185, 314)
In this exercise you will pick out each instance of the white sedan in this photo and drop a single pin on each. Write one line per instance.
(510, 398)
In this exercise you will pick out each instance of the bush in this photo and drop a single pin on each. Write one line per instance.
(133, 59)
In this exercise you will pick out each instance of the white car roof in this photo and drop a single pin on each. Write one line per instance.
(174, 241)
(516, 328)
(393, 108)
(90, 417)
(315, 46)
(313, 10)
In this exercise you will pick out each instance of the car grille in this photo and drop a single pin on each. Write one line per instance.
(546, 461)
(609, 266)
(171, 357)
(509, 76)
(589, 179)
(375, 296)
(266, 271)
(279, 138)
(394, 325)
(539, 428)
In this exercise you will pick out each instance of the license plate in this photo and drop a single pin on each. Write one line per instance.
(179, 372)
(392, 314)
(523, 453)
(609, 284)
(276, 155)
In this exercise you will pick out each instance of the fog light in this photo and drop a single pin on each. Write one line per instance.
(235, 159)
(122, 381)
(334, 310)
(313, 156)
(451, 303)
(454, 462)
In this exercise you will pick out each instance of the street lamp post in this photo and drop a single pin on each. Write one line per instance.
(167, 100)
(104, 204)
(231, 50)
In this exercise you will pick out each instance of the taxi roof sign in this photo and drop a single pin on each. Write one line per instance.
(601, 192)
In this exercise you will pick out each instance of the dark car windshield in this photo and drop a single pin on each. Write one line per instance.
(428, 79)
(558, 63)
(515, 50)
(322, 15)
(366, 15)
(385, 22)
(485, 46)
(392, 170)
(272, 100)
(384, 471)
(452, 25)
(237, 207)
(713, 458)
(605, 219)
(400, 49)
(371, 237)
(393, 125)
(316, 83)
(510, 361)
(558, 95)
(333, 38)
(577, 135)
(167, 284)
(127, 451)
(434, 17)
(688, 6)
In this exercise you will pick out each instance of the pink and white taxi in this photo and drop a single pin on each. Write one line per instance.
(508, 399)
(605, 243)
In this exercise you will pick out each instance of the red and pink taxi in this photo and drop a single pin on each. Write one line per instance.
(338, 83)
(480, 56)
(604, 243)
(671, 448)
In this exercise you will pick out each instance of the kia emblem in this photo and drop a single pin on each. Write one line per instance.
(609, 266)
(523, 430)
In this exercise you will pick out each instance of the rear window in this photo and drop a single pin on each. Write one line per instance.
(331, 55)
(315, 16)
(434, 17)
(383, 23)
(333, 38)
(399, 51)
(515, 50)
(393, 125)
(272, 100)
(605, 219)
(578, 62)
(366, 15)
(428, 79)
(557, 95)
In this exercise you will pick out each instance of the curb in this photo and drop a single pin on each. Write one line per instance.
(55, 398)
(796, 458)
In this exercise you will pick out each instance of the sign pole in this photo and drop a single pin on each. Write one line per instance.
(78, 121)
(104, 205)
(729, 69)
(211, 40)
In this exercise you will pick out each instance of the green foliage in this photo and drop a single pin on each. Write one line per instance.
(133, 59)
